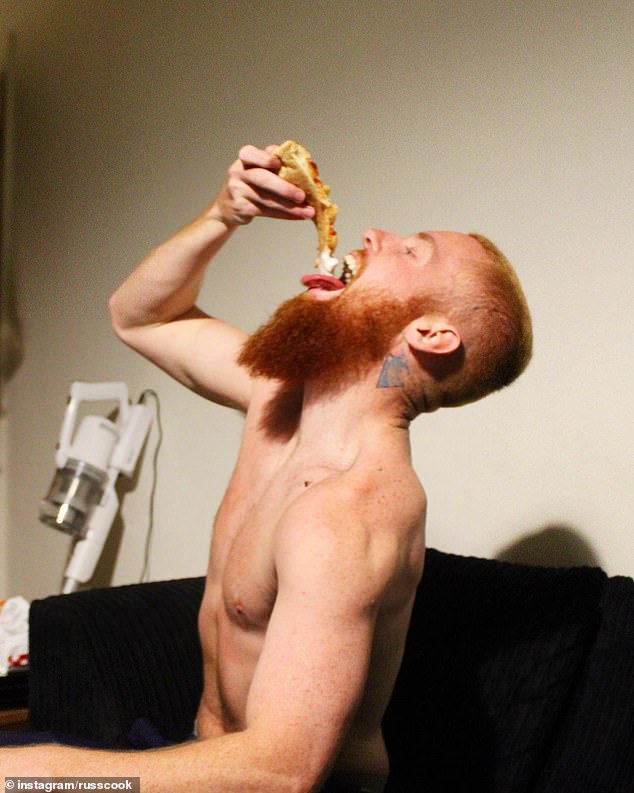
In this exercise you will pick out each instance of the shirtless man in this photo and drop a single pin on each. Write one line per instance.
(318, 545)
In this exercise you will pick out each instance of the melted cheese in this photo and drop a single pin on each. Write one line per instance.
(326, 263)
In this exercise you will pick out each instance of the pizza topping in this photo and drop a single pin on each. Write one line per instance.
(327, 263)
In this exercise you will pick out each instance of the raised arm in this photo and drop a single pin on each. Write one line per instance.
(154, 310)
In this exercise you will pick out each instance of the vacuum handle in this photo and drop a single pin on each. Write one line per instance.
(88, 392)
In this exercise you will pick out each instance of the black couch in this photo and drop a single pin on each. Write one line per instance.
(515, 679)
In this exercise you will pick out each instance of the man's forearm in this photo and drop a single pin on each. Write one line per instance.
(167, 282)
(230, 764)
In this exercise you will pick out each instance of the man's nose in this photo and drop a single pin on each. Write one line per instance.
(372, 239)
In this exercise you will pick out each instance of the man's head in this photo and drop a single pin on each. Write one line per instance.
(473, 334)
(451, 302)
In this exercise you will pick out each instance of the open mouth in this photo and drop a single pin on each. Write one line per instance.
(327, 265)
(326, 278)
(349, 269)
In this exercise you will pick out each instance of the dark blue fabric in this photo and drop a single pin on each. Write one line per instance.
(12, 738)
(143, 735)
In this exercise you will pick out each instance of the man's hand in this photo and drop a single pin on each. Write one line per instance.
(252, 189)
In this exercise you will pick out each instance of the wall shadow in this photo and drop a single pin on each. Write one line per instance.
(554, 545)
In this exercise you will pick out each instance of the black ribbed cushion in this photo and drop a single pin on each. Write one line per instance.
(102, 658)
(594, 751)
(493, 653)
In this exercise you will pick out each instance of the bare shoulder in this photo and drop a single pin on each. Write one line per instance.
(365, 527)
(391, 506)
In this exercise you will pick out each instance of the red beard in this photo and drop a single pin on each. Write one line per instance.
(333, 341)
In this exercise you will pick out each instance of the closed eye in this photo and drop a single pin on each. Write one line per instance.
(418, 251)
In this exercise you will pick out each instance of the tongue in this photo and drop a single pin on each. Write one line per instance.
(321, 281)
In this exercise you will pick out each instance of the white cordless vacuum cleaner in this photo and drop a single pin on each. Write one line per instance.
(82, 500)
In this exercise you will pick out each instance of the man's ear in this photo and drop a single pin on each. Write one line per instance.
(433, 335)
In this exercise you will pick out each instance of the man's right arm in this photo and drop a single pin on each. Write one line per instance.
(154, 310)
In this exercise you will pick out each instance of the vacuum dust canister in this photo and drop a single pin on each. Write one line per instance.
(78, 485)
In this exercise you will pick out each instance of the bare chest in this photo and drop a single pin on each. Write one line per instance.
(243, 546)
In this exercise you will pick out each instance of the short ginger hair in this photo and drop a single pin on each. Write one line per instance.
(488, 307)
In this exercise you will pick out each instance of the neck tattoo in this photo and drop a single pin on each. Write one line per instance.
(394, 368)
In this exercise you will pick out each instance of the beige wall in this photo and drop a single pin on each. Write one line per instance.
(4, 516)
(513, 119)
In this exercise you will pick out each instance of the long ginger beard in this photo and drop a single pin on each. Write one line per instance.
(332, 342)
